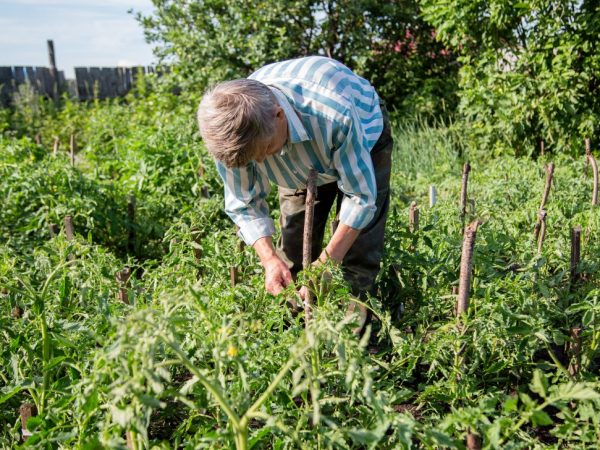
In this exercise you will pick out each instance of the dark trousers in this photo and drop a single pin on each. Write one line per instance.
(361, 263)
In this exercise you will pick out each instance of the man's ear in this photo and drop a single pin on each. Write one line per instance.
(279, 112)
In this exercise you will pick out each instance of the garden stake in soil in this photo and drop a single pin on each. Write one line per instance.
(69, 228)
(234, 275)
(73, 148)
(466, 265)
(575, 254)
(592, 161)
(197, 247)
(463, 192)
(542, 148)
(574, 351)
(122, 277)
(26, 410)
(542, 230)
(53, 228)
(311, 188)
(413, 217)
(473, 441)
(56, 146)
(432, 196)
(549, 174)
(131, 222)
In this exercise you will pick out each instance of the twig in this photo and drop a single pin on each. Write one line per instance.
(311, 188)
(466, 264)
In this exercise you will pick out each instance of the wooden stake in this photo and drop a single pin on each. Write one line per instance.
(53, 228)
(122, 277)
(466, 265)
(26, 411)
(311, 193)
(197, 237)
(542, 231)
(69, 228)
(73, 148)
(56, 146)
(204, 192)
(17, 312)
(574, 351)
(234, 275)
(413, 217)
(575, 254)
(432, 196)
(131, 222)
(592, 161)
(473, 441)
(549, 174)
(38, 139)
(542, 147)
(463, 191)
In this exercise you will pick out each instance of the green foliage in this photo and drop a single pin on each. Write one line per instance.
(529, 70)
(212, 41)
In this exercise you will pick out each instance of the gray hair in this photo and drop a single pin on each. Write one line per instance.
(235, 118)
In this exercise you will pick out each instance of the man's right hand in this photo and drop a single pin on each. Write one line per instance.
(277, 275)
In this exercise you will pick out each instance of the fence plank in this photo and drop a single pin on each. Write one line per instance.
(5, 85)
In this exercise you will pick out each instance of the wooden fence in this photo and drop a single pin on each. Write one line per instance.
(90, 82)
(41, 79)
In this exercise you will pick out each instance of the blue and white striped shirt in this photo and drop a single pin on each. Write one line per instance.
(334, 120)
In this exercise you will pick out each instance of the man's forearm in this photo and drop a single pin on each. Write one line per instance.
(340, 243)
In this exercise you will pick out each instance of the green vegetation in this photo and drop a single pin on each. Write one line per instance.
(192, 362)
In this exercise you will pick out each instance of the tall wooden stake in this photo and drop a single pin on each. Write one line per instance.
(69, 228)
(311, 193)
(592, 161)
(549, 174)
(466, 265)
(432, 196)
(131, 221)
(56, 146)
(542, 232)
(463, 191)
(574, 351)
(234, 275)
(542, 147)
(73, 148)
(575, 254)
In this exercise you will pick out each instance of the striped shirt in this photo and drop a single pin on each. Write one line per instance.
(334, 120)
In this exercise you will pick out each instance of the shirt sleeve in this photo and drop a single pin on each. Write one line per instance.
(352, 160)
(246, 190)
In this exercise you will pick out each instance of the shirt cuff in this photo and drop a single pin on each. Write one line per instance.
(255, 229)
(356, 215)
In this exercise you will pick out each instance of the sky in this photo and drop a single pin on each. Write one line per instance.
(86, 33)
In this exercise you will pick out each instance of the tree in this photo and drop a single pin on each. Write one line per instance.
(386, 42)
(529, 69)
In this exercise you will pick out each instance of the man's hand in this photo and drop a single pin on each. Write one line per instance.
(277, 275)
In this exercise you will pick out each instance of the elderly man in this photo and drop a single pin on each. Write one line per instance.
(274, 126)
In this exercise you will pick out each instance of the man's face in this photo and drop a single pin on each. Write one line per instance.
(275, 144)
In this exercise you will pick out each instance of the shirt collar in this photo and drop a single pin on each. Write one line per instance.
(297, 132)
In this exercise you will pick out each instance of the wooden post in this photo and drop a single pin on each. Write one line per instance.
(56, 146)
(69, 228)
(413, 217)
(53, 228)
(574, 351)
(26, 411)
(73, 148)
(311, 193)
(466, 265)
(575, 254)
(234, 275)
(122, 277)
(463, 191)
(38, 139)
(592, 161)
(432, 196)
(473, 441)
(542, 148)
(53, 71)
(549, 174)
(131, 222)
(542, 229)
